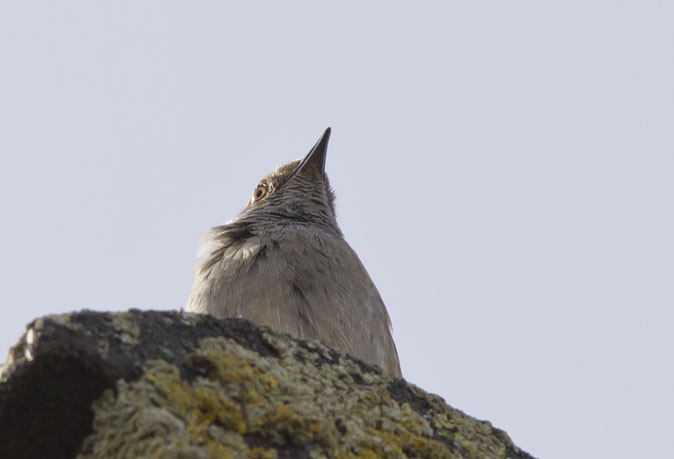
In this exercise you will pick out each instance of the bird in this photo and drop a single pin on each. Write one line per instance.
(283, 262)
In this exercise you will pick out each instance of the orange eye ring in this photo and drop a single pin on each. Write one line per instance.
(260, 192)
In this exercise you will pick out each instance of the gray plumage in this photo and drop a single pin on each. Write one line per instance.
(283, 262)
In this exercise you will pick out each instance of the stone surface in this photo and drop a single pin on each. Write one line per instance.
(176, 385)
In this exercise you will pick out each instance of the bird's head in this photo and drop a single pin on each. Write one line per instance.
(297, 192)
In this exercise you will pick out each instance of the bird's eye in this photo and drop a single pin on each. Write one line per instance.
(260, 192)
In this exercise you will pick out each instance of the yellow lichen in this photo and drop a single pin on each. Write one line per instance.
(284, 403)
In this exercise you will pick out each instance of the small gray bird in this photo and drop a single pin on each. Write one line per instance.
(283, 262)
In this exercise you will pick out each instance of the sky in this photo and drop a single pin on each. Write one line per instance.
(503, 169)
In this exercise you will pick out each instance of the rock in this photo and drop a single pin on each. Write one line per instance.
(176, 385)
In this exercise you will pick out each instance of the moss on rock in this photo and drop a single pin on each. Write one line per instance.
(147, 384)
(244, 405)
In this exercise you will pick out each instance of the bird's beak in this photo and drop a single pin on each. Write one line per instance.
(313, 164)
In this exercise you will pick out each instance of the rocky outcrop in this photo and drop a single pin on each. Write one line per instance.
(175, 385)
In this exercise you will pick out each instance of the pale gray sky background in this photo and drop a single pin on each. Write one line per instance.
(504, 170)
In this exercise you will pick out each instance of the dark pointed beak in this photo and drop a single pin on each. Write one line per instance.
(313, 165)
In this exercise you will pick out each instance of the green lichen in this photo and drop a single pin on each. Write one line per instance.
(244, 405)
(127, 328)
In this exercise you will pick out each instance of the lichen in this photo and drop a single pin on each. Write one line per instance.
(242, 405)
(127, 328)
